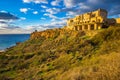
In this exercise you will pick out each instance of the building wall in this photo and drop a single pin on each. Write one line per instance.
(88, 21)
(117, 20)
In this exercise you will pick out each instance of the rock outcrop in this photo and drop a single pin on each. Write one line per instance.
(53, 33)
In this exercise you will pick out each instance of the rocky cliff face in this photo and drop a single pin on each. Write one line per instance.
(53, 33)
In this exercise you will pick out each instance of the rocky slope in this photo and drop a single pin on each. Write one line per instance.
(60, 54)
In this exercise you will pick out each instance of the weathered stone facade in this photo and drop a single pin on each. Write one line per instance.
(90, 21)
(117, 20)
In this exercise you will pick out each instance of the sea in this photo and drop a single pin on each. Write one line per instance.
(9, 40)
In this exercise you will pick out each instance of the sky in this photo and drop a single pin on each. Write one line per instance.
(26, 16)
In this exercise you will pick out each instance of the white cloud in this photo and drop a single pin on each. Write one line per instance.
(6, 28)
(71, 13)
(27, 1)
(32, 28)
(43, 18)
(40, 1)
(24, 10)
(55, 3)
(35, 12)
(14, 31)
(3, 11)
(50, 12)
(36, 1)
(58, 23)
(69, 3)
(53, 10)
(118, 15)
(50, 15)
(84, 6)
(2, 25)
(23, 18)
(43, 6)
(7, 25)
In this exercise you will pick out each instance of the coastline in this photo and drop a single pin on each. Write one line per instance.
(10, 40)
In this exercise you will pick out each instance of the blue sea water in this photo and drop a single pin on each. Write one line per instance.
(8, 40)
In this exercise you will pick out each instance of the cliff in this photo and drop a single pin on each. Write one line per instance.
(59, 54)
(53, 33)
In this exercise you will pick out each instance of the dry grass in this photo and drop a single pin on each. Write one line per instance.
(104, 67)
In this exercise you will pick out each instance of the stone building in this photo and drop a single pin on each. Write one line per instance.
(90, 21)
(117, 20)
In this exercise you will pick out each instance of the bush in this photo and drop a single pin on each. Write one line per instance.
(111, 33)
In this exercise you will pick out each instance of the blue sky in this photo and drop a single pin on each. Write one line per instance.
(25, 16)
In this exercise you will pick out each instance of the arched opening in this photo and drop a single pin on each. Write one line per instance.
(86, 27)
(80, 27)
(92, 27)
(76, 28)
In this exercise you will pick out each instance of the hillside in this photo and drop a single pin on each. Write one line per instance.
(59, 54)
